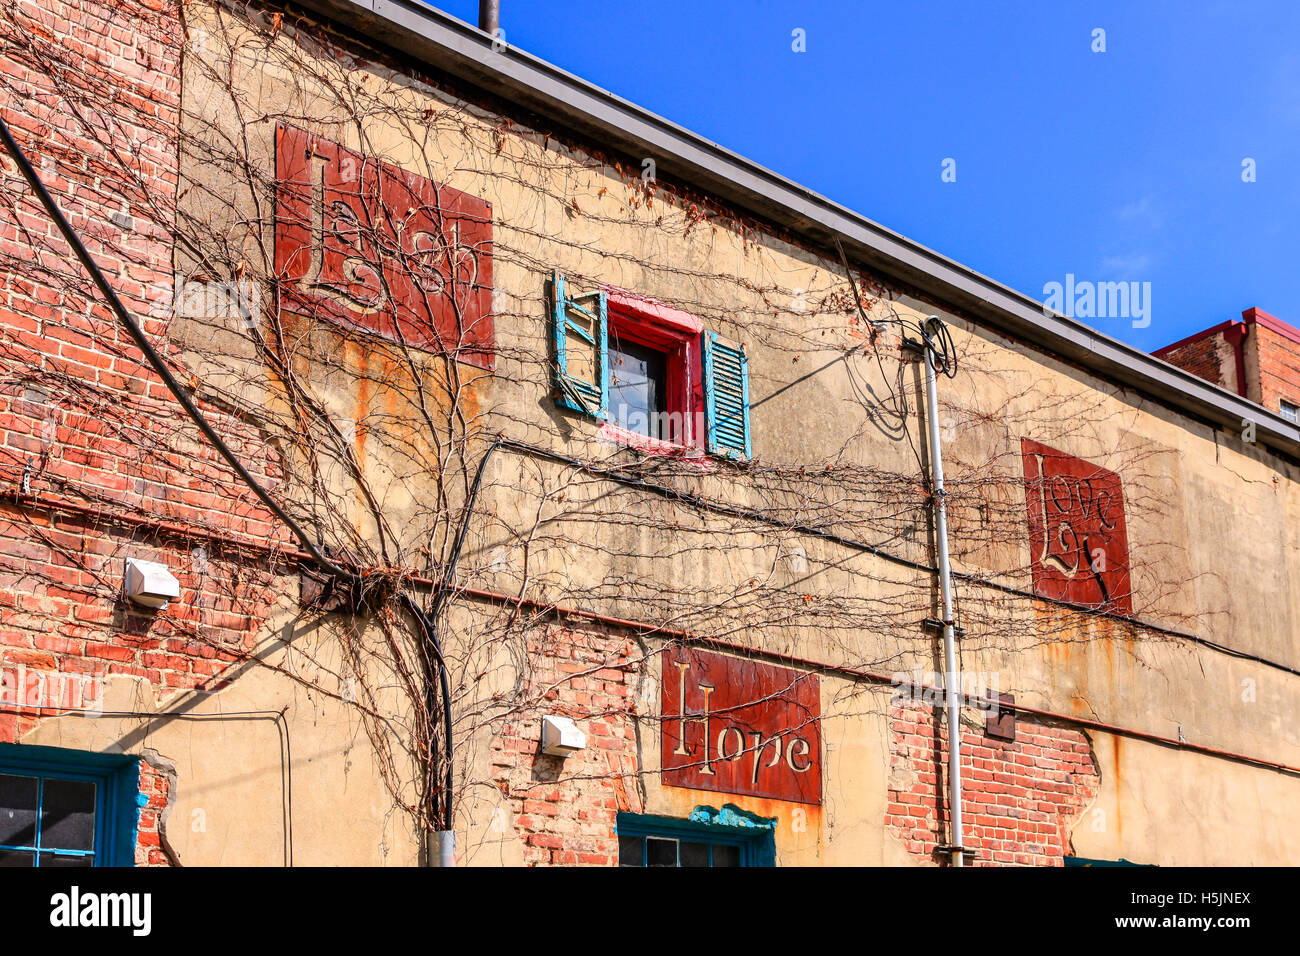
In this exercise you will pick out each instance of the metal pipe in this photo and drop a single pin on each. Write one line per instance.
(952, 697)
(444, 849)
(489, 16)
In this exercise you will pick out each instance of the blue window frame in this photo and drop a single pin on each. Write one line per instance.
(617, 365)
(645, 840)
(1084, 861)
(67, 808)
(726, 397)
(580, 331)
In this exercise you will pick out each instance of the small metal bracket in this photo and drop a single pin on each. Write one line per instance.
(949, 850)
(935, 626)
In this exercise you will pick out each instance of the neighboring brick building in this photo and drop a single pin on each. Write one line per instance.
(1258, 358)
(585, 415)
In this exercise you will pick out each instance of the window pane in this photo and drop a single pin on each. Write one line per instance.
(637, 386)
(661, 852)
(18, 796)
(68, 815)
(62, 861)
(630, 851)
(726, 855)
(9, 858)
(695, 854)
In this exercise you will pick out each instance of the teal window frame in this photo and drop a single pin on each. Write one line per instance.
(571, 392)
(1083, 861)
(757, 845)
(723, 371)
(117, 797)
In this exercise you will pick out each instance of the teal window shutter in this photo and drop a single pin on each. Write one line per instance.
(579, 327)
(726, 397)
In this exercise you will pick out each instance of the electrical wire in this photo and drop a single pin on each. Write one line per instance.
(756, 514)
(154, 359)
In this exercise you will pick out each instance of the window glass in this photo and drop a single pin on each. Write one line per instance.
(1290, 411)
(40, 815)
(726, 855)
(68, 815)
(19, 799)
(693, 854)
(638, 377)
(631, 851)
(660, 852)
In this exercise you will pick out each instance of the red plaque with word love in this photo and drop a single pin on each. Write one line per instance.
(738, 726)
(376, 248)
(1077, 535)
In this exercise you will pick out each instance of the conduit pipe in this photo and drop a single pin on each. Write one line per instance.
(952, 698)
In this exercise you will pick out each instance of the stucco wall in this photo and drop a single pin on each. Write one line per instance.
(838, 446)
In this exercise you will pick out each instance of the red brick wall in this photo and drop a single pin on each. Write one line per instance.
(1278, 356)
(93, 450)
(564, 810)
(155, 786)
(1271, 355)
(1209, 358)
(1020, 799)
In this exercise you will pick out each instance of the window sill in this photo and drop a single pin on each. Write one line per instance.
(621, 437)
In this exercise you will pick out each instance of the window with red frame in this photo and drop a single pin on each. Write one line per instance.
(650, 372)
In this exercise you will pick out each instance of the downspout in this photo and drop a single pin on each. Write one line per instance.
(441, 848)
(952, 695)
(1236, 336)
(489, 16)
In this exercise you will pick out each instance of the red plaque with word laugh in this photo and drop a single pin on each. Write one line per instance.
(370, 246)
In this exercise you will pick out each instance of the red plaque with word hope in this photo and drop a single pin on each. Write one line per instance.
(371, 246)
(738, 726)
(1077, 534)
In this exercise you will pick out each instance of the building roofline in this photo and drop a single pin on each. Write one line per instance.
(1251, 316)
(461, 50)
(1197, 336)
(1257, 316)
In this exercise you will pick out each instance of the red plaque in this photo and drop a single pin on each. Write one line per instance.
(1077, 534)
(737, 726)
(373, 247)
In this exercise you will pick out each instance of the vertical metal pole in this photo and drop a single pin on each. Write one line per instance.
(443, 851)
(489, 16)
(952, 691)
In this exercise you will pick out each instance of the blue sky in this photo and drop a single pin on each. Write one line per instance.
(1116, 165)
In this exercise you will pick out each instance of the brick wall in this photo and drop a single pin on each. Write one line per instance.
(564, 809)
(1209, 358)
(1020, 799)
(1277, 353)
(1270, 354)
(155, 788)
(97, 461)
